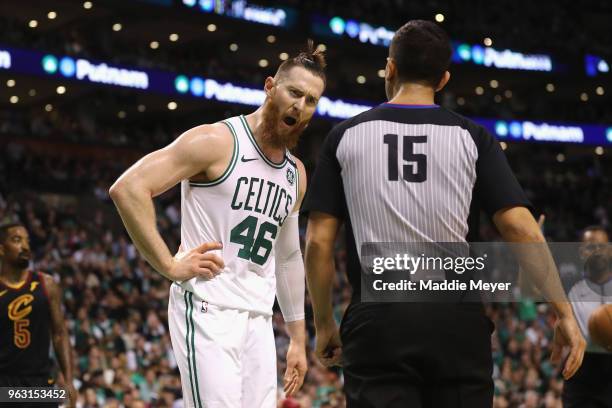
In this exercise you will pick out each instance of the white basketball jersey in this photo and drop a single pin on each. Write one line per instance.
(243, 209)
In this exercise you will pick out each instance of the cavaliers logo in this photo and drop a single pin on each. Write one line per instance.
(290, 175)
(18, 310)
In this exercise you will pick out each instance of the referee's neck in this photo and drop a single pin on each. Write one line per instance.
(410, 93)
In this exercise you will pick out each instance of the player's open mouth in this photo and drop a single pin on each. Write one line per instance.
(289, 120)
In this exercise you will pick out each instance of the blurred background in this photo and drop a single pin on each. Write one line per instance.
(87, 88)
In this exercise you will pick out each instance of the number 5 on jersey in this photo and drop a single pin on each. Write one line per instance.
(243, 234)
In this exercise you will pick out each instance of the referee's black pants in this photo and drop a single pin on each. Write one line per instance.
(417, 355)
(591, 386)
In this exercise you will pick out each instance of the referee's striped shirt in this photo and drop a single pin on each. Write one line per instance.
(410, 173)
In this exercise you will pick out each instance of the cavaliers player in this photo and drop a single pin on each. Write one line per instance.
(30, 318)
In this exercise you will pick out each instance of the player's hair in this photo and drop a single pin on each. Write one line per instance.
(4, 229)
(594, 228)
(422, 52)
(311, 58)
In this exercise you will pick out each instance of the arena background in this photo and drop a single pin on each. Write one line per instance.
(86, 88)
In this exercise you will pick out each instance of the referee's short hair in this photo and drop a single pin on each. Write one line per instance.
(422, 52)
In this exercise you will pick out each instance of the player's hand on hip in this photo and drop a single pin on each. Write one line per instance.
(328, 345)
(568, 335)
(199, 262)
(296, 368)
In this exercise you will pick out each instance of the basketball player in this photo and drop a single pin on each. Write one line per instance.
(30, 319)
(592, 385)
(240, 194)
(411, 171)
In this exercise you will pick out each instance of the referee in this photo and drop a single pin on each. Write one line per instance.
(411, 171)
(591, 387)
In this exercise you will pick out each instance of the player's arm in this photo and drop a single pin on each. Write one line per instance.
(290, 290)
(517, 225)
(326, 204)
(320, 273)
(59, 335)
(194, 152)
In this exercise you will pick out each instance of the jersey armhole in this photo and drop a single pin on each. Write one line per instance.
(43, 285)
(230, 166)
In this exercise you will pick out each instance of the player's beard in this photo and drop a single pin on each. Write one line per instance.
(273, 135)
(21, 262)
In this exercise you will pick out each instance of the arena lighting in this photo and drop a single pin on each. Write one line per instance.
(5, 59)
(502, 59)
(85, 70)
(594, 65)
(181, 84)
(528, 131)
(227, 92)
(242, 10)
(337, 24)
(172, 84)
(10, 83)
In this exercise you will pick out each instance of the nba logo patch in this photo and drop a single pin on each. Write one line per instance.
(204, 308)
(290, 176)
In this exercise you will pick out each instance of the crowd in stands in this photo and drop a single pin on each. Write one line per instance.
(530, 28)
(116, 305)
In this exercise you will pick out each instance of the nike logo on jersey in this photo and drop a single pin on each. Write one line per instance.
(3, 292)
(242, 159)
(33, 286)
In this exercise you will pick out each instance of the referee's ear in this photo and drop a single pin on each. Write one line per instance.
(443, 81)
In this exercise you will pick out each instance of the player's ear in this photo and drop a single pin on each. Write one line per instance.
(269, 86)
(390, 69)
(443, 81)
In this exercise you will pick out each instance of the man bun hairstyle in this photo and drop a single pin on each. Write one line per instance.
(422, 52)
(311, 58)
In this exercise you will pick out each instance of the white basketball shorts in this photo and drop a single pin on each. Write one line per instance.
(226, 357)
